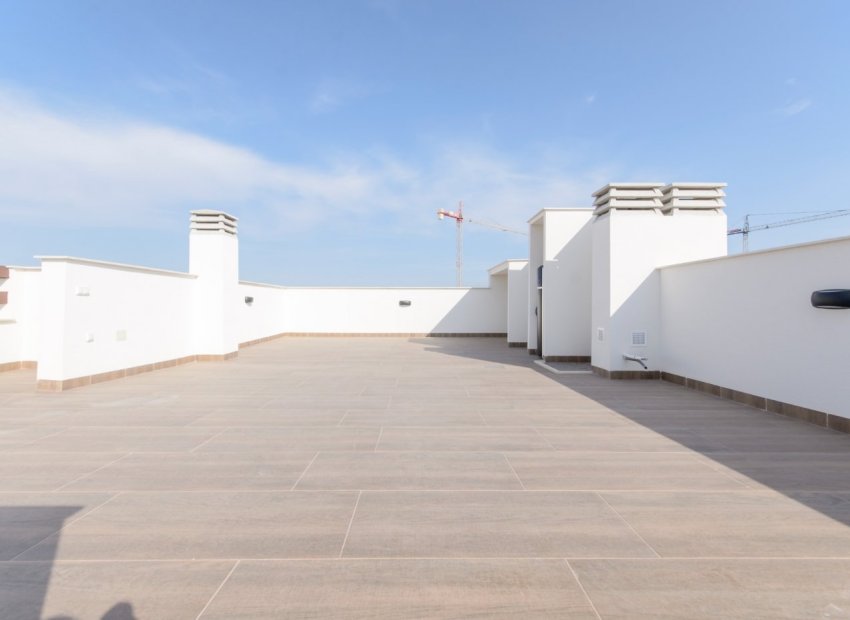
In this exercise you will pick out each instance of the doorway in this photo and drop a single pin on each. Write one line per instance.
(539, 311)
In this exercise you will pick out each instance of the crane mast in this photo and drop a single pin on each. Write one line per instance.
(457, 216)
(459, 219)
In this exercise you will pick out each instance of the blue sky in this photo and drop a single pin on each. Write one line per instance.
(334, 130)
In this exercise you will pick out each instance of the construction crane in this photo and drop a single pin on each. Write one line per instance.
(457, 216)
(813, 216)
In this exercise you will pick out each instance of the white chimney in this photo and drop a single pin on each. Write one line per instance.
(214, 259)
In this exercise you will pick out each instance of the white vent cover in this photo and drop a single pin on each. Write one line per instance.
(213, 221)
(627, 196)
(638, 339)
(693, 196)
(600, 334)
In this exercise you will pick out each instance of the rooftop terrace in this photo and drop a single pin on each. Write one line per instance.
(394, 477)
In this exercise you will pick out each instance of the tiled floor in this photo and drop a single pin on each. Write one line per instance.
(396, 478)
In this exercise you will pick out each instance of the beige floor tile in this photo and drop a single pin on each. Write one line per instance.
(267, 440)
(47, 472)
(128, 439)
(120, 590)
(717, 589)
(412, 418)
(460, 438)
(401, 589)
(488, 524)
(268, 417)
(732, 524)
(553, 418)
(787, 471)
(207, 525)
(198, 472)
(26, 519)
(617, 471)
(626, 439)
(409, 471)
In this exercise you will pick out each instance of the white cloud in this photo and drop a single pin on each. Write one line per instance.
(796, 107)
(59, 169)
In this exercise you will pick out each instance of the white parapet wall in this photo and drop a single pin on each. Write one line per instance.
(450, 311)
(98, 317)
(746, 323)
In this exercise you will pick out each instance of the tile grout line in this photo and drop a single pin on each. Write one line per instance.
(508, 461)
(539, 434)
(65, 525)
(295, 484)
(209, 439)
(366, 558)
(80, 477)
(715, 467)
(350, 523)
(48, 436)
(220, 586)
(581, 586)
(629, 525)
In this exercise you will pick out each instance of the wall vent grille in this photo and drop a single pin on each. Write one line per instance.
(638, 339)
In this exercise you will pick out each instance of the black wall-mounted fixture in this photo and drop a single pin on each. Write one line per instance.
(831, 298)
(249, 300)
(404, 303)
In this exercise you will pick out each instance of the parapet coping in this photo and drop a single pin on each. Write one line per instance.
(505, 265)
(367, 288)
(110, 265)
(542, 212)
(781, 248)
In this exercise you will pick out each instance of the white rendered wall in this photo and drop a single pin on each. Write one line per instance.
(517, 310)
(19, 323)
(746, 322)
(626, 283)
(132, 316)
(535, 259)
(266, 315)
(561, 241)
(567, 283)
(214, 259)
(377, 310)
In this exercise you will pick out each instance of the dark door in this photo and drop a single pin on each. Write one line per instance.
(540, 311)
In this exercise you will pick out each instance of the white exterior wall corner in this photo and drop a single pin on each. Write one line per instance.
(746, 323)
(517, 310)
(638, 242)
(53, 323)
(567, 278)
(601, 292)
(561, 240)
(535, 260)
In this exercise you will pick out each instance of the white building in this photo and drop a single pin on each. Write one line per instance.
(639, 285)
